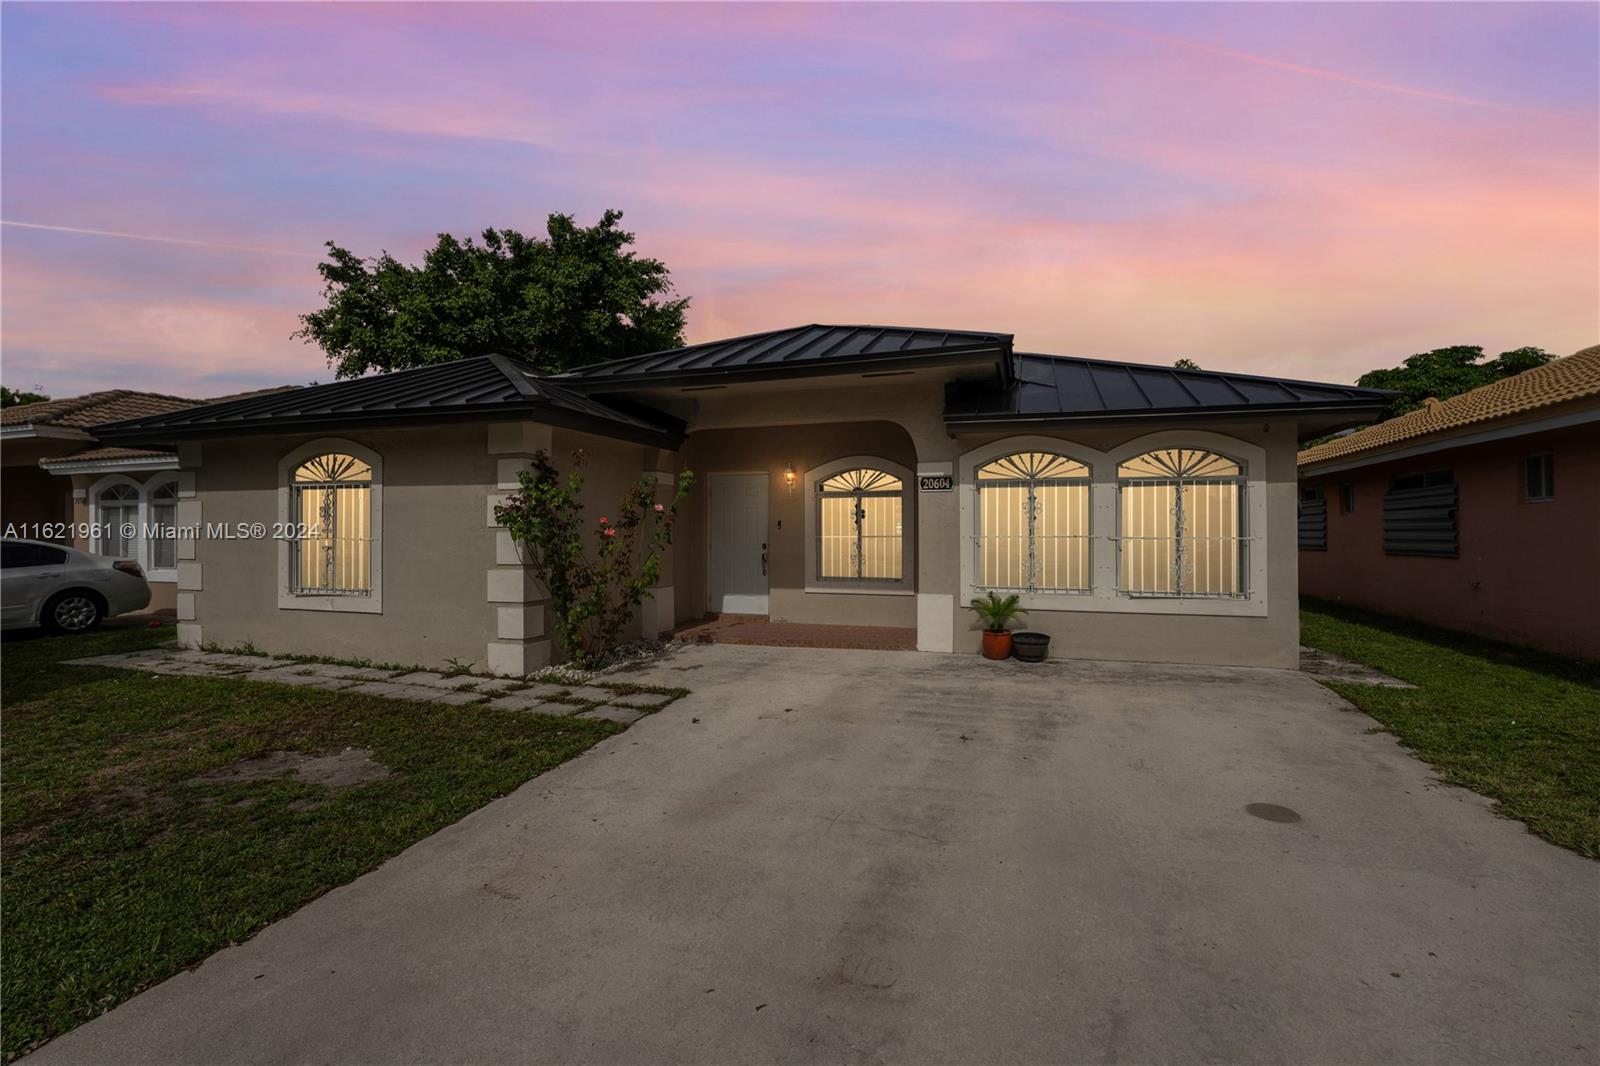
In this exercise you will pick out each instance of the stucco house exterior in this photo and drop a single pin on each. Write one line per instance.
(1478, 513)
(845, 474)
(59, 481)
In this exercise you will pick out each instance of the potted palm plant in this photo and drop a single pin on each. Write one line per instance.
(996, 612)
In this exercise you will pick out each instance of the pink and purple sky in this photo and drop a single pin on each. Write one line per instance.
(1297, 189)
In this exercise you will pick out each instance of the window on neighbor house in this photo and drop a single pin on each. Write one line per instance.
(1181, 524)
(860, 526)
(1033, 524)
(1419, 515)
(163, 523)
(1313, 517)
(116, 517)
(1347, 499)
(330, 552)
(1539, 478)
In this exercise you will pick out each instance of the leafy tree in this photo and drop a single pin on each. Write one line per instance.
(1446, 372)
(12, 398)
(1186, 364)
(575, 296)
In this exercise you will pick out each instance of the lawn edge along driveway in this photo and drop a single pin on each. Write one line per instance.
(147, 824)
(1519, 726)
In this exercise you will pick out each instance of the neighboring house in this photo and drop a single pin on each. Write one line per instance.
(844, 474)
(60, 482)
(1478, 513)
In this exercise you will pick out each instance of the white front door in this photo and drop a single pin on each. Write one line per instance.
(739, 543)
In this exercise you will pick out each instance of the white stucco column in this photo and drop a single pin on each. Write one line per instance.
(519, 644)
(190, 576)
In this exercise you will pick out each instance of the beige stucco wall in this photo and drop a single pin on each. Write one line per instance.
(772, 450)
(1203, 634)
(436, 545)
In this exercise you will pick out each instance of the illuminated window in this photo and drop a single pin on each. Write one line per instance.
(1181, 522)
(860, 529)
(330, 547)
(1033, 524)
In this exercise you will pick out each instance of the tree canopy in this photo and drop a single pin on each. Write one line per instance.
(1446, 372)
(576, 296)
(10, 397)
(1185, 364)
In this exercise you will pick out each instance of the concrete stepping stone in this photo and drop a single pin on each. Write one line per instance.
(648, 700)
(522, 701)
(421, 677)
(284, 677)
(590, 694)
(494, 684)
(353, 673)
(454, 681)
(625, 715)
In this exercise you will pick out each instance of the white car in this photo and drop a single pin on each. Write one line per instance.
(63, 589)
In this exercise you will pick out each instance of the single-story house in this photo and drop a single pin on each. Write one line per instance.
(864, 475)
(59, 481)
(1478, 513)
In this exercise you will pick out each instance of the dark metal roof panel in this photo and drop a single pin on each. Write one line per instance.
(810, 345)
(489, 386)
(1049, 388)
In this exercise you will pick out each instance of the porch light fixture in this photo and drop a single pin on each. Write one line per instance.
(788, 476)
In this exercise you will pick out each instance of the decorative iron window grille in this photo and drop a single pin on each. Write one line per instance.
(860, 530)
(1181, 525)
(1032, 526)
(330, 547)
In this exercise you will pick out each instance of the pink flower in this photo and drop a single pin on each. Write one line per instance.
(660, 507)
(604, 520)
(611, 532)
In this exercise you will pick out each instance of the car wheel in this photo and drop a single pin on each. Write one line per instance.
(72, 612)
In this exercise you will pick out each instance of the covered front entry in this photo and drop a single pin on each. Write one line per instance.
(738, 562)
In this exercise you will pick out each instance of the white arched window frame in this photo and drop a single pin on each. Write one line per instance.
(161, 526)
(1104, 595)
(116, 518)
(1032, 524)
(330, 506)
(1182, 524)
(886, 490)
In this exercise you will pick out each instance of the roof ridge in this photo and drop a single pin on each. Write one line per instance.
(1202, 370)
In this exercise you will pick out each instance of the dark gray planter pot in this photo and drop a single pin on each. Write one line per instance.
(1030, 647)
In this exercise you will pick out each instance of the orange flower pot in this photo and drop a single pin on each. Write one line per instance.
(996, 645)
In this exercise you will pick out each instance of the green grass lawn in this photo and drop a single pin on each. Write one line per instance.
(1513, 724)
(120, 868)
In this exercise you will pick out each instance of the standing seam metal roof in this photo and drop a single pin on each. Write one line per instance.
(797, 346)
(484, 386)
(1061, 387)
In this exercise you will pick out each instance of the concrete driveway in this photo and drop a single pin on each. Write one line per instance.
(879, 856)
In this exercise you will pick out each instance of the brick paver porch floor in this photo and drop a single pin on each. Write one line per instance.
(757, 629)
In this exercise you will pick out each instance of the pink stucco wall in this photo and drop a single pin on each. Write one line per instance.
(1528, 572)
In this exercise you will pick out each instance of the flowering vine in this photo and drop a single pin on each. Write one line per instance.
(591, 596)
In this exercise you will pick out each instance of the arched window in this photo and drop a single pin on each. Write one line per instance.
(163, 525)
(1033, 523)
(330, 547)
(1181, 530)
(860, 516)
(117, 521)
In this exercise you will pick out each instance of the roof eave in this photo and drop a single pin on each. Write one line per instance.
(1005, 421)
(841, 366)
(132, 435)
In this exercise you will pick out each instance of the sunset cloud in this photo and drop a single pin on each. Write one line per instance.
(1310, 190)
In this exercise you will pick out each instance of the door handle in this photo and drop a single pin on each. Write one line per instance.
(763, 560)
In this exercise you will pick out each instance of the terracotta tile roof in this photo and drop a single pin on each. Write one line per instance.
(93, 409)
(113, 405)
(1574, 378)
(103, 455)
